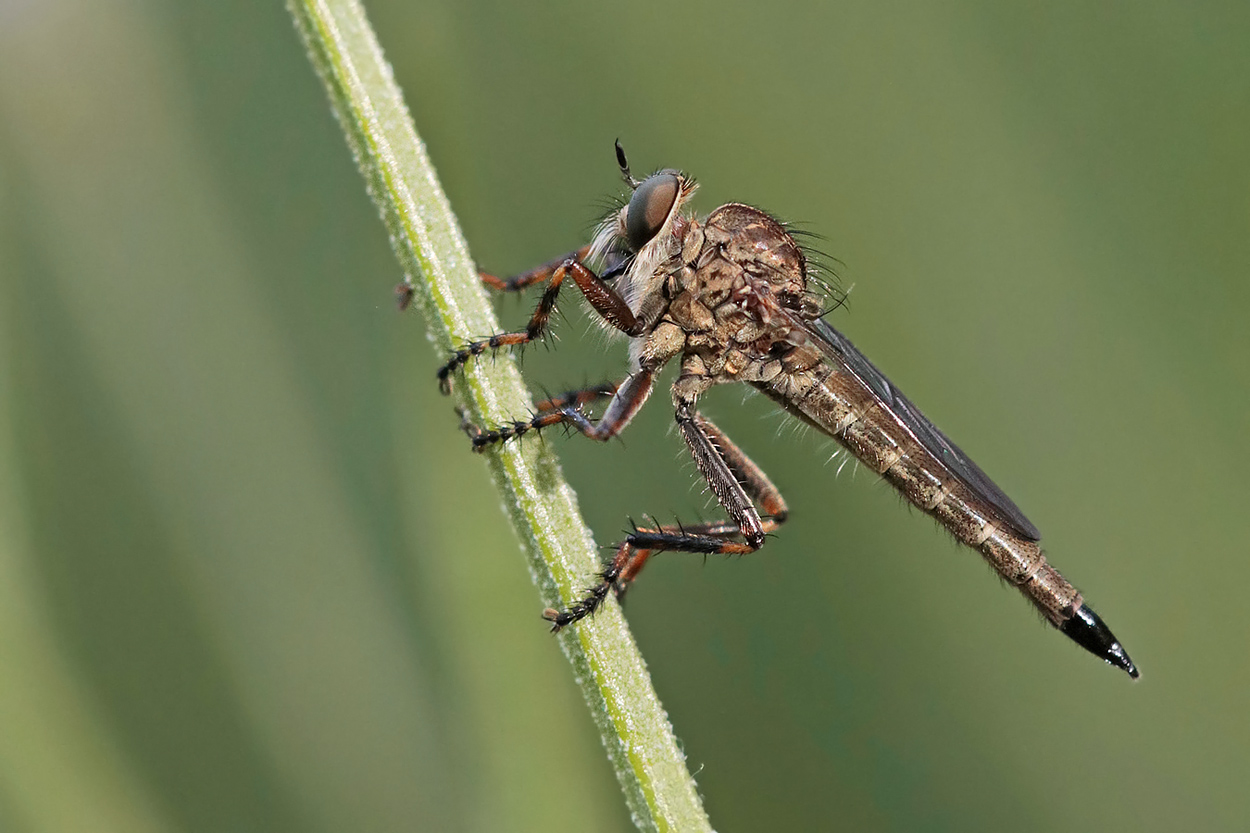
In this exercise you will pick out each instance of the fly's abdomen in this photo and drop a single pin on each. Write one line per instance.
(1018, 560)
(876, 439)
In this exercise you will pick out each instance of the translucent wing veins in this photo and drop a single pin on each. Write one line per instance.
(839, 348)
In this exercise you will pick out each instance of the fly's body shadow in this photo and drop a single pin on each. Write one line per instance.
(729, 297)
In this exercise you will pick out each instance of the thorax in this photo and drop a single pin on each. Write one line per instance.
(728, 295)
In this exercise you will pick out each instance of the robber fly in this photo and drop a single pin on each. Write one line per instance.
(731, 298)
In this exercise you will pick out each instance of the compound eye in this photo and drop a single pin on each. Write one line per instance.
(649, 208)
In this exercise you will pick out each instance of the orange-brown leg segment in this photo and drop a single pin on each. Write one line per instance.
(605, 300)
(405, 291)
(536, 275)
(735, 480)
(533, 330)
(577, 398)
(627, 398)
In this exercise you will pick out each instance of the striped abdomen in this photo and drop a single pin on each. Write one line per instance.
(839, 405)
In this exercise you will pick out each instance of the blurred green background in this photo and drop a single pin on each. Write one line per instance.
(251, 578)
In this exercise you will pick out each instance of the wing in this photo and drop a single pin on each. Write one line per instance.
(844, 355)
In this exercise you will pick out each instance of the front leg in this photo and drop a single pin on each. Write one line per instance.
(599, 293)
(405, 291)
(578, 397)
(533, 330)
(538, 274)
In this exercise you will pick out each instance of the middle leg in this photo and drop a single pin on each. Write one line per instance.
(627, 399)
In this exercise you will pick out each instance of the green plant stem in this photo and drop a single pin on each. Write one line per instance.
(427, 240)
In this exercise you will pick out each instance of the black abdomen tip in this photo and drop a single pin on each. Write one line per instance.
(1088, 631)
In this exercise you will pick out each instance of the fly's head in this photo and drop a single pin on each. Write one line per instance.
(647, 231)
